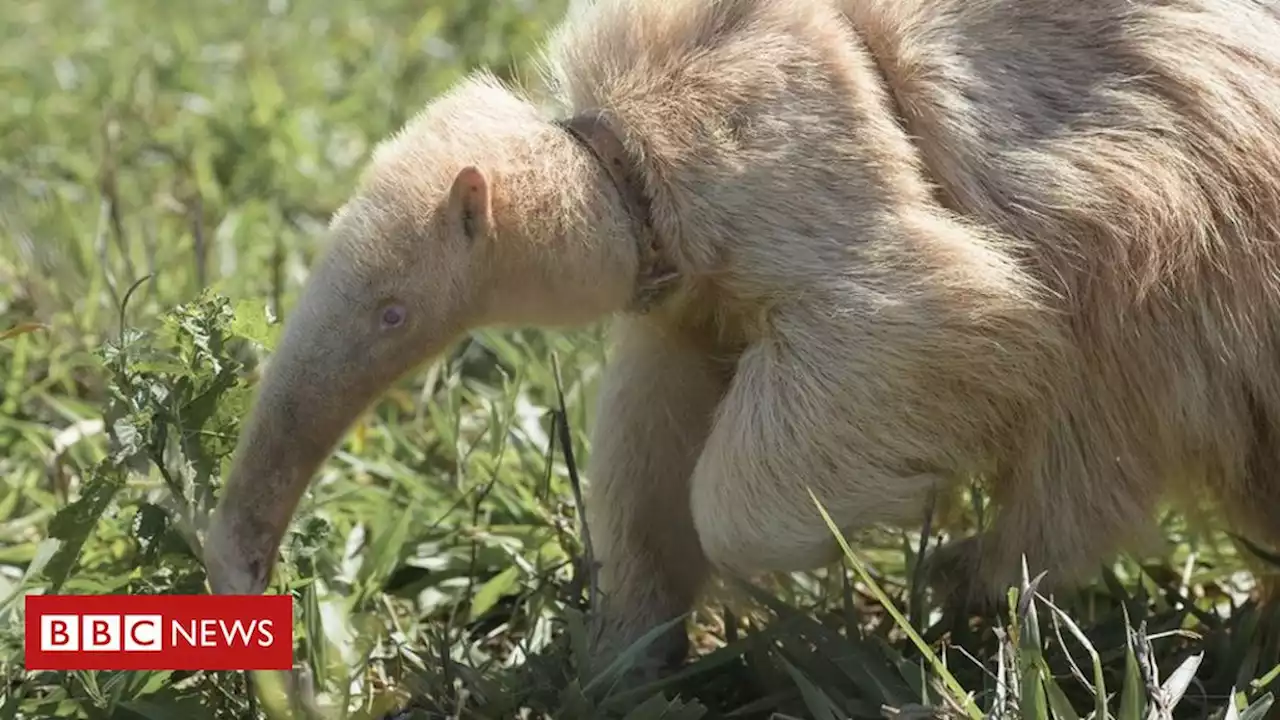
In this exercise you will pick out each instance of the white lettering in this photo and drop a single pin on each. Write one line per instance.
(209, 633)
(237, 628)
(212, 633)
(188, 634)
(267, 639)
(60, 632)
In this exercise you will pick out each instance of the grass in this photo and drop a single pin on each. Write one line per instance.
(166, 171)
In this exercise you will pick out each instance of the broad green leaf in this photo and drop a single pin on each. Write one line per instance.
(1058, 701)
(251, 323)
(77, 521)
(493, 590)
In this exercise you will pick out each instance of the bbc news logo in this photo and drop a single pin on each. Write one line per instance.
(159, 632)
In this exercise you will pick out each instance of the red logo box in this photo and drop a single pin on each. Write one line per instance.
(159, 632)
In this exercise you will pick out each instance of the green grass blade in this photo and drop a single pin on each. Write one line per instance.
(962, 698)
(1133, 692)
(1258, 709)
(814, 699)
(1059, 704)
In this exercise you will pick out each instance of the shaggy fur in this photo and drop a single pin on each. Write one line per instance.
(917, 240)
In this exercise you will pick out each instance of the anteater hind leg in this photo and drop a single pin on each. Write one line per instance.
(1067, 507)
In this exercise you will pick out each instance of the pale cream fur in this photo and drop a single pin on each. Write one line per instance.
(917, 240)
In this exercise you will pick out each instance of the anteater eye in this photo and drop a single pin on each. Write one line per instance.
(392, 316)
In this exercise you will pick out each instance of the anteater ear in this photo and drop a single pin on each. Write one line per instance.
(471, 203)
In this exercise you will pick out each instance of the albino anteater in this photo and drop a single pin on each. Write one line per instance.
(863, 247)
